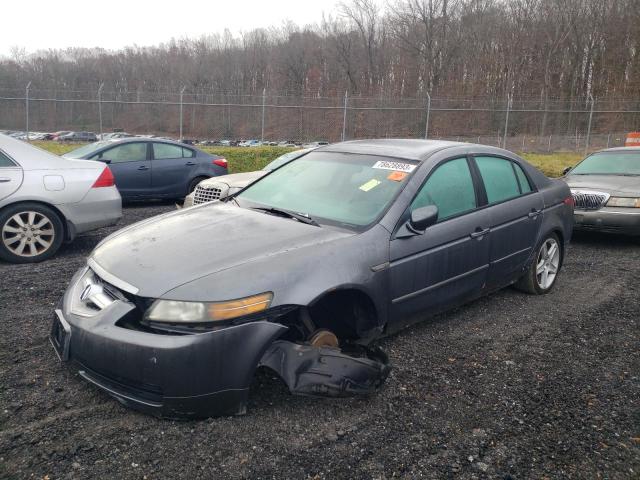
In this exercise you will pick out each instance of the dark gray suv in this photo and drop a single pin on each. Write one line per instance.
(301, 270)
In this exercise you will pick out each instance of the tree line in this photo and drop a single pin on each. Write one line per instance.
(547, 49)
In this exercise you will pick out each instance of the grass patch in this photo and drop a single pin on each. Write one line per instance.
(249, 159)
(552, 164)
(59, 148)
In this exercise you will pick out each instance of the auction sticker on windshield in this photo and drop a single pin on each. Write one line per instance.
(398, 166)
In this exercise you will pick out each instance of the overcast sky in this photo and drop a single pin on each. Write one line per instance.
(43, 24)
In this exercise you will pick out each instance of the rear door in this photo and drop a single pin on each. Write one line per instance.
(173, 166)
(448, 263)
(129, 162)
(10, 176)
(515, 210)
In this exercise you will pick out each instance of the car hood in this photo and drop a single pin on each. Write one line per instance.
(160, 254)
(614, 184)
(235, 180)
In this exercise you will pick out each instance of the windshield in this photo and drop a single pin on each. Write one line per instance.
(609, 163)
(86, 150)
(282, 159)
(332, 188)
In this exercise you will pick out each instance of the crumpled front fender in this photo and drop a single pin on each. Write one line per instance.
(326, 371)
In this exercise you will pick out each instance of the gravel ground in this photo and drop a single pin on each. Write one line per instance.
(510, 386)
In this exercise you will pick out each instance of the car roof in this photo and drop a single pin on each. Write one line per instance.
(410, 149)
(116, 141)
(30, 157)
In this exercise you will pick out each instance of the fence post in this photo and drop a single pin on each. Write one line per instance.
(264, 93)
(506, 121)
(586, 143)
(100, 106)
(608, 140)
(426, 126)
(549, 148)
(344, 116)
(181, 96)
(26, 98)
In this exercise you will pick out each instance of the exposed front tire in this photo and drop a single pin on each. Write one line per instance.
(543, 271)
(29, 233)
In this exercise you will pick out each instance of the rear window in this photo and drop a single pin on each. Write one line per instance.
(163, 151)
(6, 161)
(499, 178)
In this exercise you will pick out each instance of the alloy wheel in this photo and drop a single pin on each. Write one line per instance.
(547, 263)
(28, 234)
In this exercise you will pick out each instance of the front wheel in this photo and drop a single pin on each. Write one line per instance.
(543, 271)
(29, 233)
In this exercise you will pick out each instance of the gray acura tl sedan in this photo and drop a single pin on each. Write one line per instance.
(606, 190)
(300, 271)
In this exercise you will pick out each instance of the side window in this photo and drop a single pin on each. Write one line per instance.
(499, 178)
(5, 161)
(450, 188)
(163, 151)
(525, 186)
(188, 153)
(128, 152)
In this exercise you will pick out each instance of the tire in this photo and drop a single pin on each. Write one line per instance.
(194, 183)
(543, 271)
(29, 233)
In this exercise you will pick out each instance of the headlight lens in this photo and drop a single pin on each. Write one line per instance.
(173, 311)
(628, 202)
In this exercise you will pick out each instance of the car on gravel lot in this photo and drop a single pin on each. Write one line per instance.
(221, 187)
(301, 271)
(152, 167)
(606, 190)
(46, 199)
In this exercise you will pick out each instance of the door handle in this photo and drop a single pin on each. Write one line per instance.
(142, 167)
(480, 233)
(4, 180)
(534, 213)
(189, 164)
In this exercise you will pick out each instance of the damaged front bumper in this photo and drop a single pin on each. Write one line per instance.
(203, 374)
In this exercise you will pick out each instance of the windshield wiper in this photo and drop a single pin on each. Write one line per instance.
(285, 213)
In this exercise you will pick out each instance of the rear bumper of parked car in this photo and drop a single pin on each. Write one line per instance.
(608, 219)
(101, 207)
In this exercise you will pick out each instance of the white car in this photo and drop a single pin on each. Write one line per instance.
(216, 188)
(46, 199)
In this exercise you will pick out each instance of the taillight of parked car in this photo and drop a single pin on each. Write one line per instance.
(570, 201)
(221, 162)
(105, 179)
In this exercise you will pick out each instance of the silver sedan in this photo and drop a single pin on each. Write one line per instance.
(46, 199)
(606, 191)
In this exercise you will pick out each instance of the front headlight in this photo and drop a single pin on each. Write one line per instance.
(628, 202)
(174, 311)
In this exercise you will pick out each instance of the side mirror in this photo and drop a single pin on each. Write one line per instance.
(422, 218)
(566, 170)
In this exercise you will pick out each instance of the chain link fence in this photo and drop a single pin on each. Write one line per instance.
(520, 124)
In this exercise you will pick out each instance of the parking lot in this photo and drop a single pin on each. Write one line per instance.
(510, 386)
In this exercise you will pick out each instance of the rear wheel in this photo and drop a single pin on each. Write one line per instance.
(29, 233)
(194, 183)
(543, 271)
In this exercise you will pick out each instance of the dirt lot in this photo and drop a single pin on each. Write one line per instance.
(511, 386)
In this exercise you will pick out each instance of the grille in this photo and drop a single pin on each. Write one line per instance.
(589, 200)
(204, 194)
